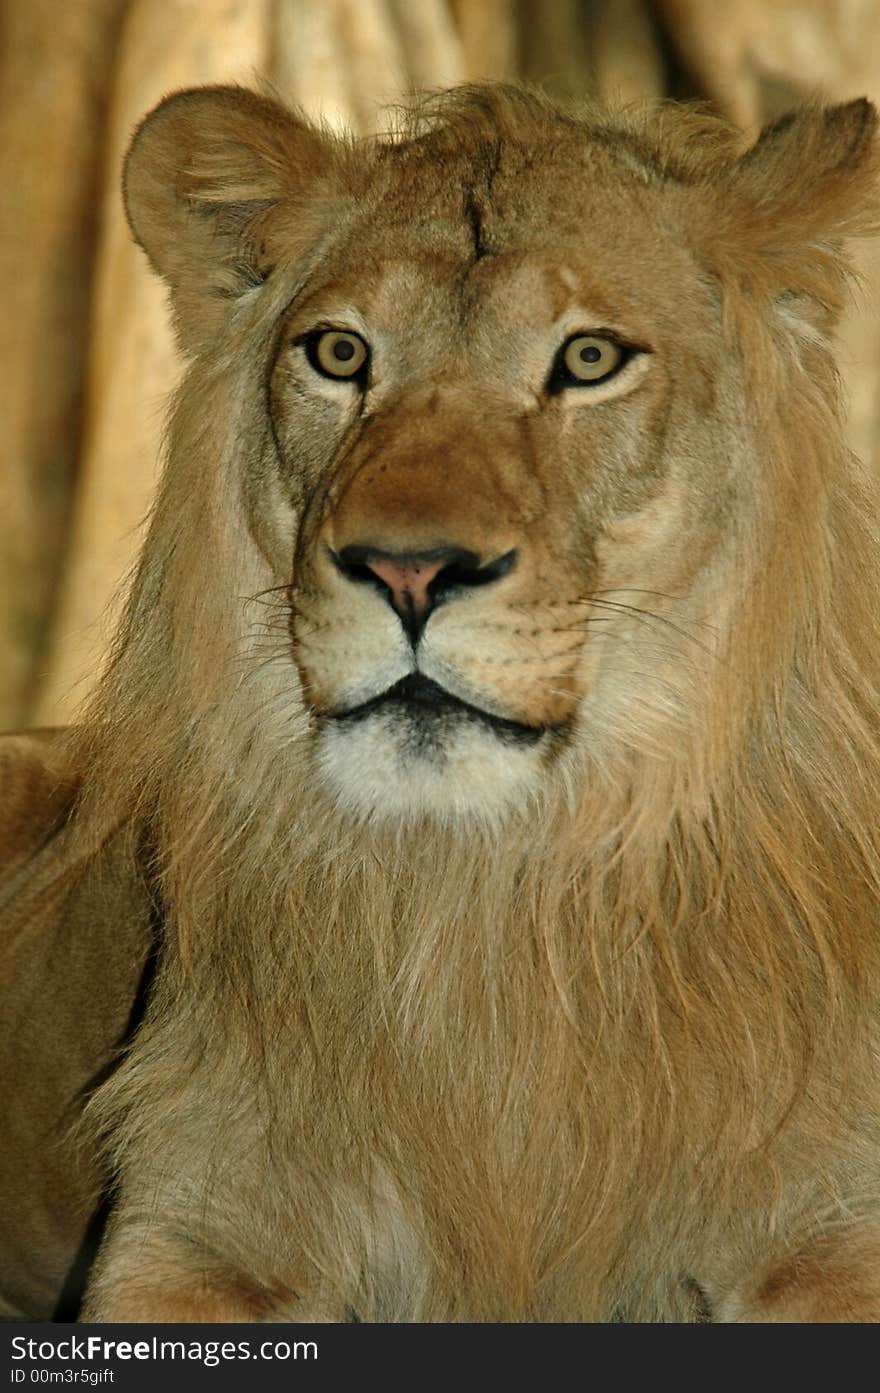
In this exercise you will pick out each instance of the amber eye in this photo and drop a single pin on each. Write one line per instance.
(590, 358)
(337, 353)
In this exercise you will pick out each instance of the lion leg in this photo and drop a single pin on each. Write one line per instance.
(154, 1278)
(835, 1278)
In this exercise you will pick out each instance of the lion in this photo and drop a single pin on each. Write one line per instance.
(490, 747)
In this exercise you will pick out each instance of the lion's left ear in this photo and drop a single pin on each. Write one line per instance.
(205, 172)
(808, 183)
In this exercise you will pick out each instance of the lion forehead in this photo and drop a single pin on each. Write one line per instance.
(522, 250)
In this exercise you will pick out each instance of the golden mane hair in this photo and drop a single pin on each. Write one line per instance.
(616, 1054)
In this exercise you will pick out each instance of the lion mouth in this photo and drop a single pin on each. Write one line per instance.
(424, 703)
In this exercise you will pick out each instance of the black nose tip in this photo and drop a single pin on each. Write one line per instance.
(415, 583)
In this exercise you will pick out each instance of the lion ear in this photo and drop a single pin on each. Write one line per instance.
(204, 173)
(808, 183)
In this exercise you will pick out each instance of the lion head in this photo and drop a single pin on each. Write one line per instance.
(485, 435)
(499, 689)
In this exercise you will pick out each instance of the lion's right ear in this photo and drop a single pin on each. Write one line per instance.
(204, 174)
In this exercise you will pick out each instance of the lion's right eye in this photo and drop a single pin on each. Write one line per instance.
(337, 353)
(587, 359)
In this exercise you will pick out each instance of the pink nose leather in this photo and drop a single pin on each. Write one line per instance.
(407, 581)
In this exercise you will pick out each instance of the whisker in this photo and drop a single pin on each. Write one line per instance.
(257, 597)
(648, 616)
(636, 590)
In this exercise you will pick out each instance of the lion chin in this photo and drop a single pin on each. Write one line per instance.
(416, 751)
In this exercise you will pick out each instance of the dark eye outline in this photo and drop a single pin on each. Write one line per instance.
(562, 377)
(309, 342)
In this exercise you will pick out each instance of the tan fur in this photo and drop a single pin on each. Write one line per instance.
(482, 1029)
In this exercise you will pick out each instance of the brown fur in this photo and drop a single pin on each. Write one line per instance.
(75, 937)
(608, 1047)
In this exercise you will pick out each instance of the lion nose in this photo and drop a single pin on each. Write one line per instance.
(415, 583)
(407, 579)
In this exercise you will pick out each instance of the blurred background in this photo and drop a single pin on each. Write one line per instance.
(87, 362)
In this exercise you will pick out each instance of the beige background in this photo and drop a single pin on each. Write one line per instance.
(86, 358)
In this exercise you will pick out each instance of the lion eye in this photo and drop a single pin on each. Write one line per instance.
(590, 358)
(336, 353)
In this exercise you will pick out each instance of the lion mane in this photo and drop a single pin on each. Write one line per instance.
(546, 987)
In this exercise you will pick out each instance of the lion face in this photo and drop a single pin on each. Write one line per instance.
(486, 488)
(509, 481)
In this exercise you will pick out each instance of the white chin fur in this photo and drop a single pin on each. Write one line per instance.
(378, 770)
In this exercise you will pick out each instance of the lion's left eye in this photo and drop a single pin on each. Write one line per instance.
(588, 358)
(337, 353)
